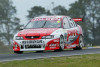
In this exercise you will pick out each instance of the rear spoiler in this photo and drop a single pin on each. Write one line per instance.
(78, 19)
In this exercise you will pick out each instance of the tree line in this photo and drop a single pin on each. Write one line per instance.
(89, 10)
(9, 23)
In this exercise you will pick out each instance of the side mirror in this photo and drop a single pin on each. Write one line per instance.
(21, 28)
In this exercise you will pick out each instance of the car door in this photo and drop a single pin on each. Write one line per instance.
(73, 31)
(66, 27)
(70, 30)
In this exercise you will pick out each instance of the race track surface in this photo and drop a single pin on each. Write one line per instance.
(34, 55)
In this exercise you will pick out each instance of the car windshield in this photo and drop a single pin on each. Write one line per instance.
(43, 24)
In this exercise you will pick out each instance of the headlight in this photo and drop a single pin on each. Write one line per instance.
(48, 37)
(19, 38)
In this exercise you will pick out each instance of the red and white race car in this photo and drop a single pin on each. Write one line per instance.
(49, 33)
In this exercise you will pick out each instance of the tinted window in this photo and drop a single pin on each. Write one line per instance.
(71, 22)
(43, 24)
(74, 23)
(66, 23)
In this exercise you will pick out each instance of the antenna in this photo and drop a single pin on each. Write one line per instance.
(53, 5)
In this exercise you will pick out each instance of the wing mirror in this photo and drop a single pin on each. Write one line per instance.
(21, 28)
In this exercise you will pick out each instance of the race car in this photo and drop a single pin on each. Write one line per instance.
(49, 33)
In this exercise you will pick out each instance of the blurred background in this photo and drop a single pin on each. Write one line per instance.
(16, 13)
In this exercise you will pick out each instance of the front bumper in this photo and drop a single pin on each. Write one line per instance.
(28, 45)
(36, 45)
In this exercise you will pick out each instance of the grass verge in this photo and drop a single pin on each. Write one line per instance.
(6, 49)
(92, 60)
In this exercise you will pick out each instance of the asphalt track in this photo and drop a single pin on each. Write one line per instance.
(48, 54)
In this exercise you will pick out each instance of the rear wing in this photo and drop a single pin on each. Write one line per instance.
(78, 19)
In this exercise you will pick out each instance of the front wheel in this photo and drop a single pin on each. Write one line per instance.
(18, 52)
(61, 43)
(81, 44)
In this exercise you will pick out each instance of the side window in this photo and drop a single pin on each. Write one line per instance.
(66, 23)
(71, 22)
(74, 23)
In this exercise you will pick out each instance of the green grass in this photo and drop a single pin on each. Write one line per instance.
(72, 61)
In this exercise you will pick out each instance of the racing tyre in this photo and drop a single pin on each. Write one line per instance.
(81, 44)
(18, 52)
(61, 43)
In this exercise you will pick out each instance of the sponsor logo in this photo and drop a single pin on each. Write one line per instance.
(52, 45)
(32, 41)
(56, 40)
(32, 37)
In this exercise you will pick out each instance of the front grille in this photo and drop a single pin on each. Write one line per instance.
(30, 46)
(31, 37)
(26, 44)
(32, 41)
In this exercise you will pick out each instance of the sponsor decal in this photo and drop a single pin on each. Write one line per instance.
(58, 21)
(32, 46)
(40, 19)
(32, 41)
(32, 37)
(56, 40)
(71, 36)
(52, 45)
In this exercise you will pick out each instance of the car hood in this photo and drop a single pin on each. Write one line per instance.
(37, 32)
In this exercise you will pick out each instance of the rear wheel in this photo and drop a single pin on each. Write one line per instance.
(81, 44)
(61, 43)
(18, 52)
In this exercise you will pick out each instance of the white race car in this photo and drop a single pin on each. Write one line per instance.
(49, 33)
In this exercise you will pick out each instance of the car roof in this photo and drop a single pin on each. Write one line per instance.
(55, 16)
